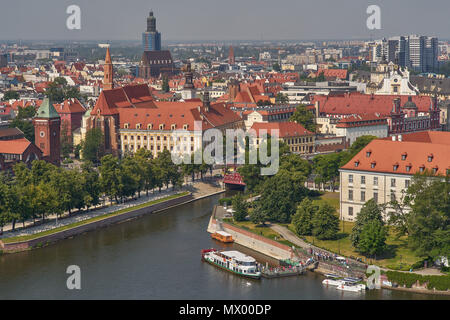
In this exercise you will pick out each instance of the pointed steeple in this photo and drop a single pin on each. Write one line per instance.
(108, 78)
(108, 56)
(47, 110)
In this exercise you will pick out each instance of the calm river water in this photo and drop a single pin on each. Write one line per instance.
(154, 257)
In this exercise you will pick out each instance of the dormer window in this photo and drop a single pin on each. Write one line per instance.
(173, 126)
(368, 153)
(422, 168)
(408, 168)
(430, 157)
(185, 127)
(138, 126)
(373, 164)
(356, 163)
(395, 167)
(161, 126)
(404, 155)
(435, 169)
(149, 126)
(126, 125)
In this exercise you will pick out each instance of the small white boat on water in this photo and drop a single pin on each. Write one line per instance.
(351, 284)
(332, 280)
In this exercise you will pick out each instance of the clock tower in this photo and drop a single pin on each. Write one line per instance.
(47, 124)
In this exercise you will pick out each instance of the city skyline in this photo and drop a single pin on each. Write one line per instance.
(306, 20)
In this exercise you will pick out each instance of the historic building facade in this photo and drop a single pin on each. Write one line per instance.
(384, 168)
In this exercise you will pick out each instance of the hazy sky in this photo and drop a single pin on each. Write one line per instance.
(222, 19)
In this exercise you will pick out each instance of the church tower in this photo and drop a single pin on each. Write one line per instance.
(47, 126)
(108, 79)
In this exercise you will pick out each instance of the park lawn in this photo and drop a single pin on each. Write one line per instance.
(331, 197)
(79, 223)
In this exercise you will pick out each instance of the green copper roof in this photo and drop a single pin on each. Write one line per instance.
(47, 110)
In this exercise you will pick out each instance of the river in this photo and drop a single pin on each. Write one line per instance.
(154, 257)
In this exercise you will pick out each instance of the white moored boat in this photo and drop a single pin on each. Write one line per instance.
(332, 280)
(232, 261)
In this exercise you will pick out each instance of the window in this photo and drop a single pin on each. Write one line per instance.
(407, 183)
(350, 194)
(392, 182)
(408, 168)
(375, 197)
(363, 196)
(350, 178)
(375, 181)
(363, 179)
(393, 196)
(350, 211)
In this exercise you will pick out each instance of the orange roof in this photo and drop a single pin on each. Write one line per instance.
(16, 146)
(362, 121)
(69, 106)
(427, 150)
(286, 129)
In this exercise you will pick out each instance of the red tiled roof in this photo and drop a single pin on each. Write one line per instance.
(69, 106)
(16, 146)
(385, 154)
(361, 121)
(357, 103)
(286, 129)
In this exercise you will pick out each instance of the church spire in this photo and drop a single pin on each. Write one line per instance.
(108, 79)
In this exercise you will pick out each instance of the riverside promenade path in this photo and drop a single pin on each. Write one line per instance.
(198, 189)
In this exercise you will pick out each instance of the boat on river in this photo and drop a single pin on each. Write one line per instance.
(352, 285)
(233, 261)
(332, 280)
(222, 236)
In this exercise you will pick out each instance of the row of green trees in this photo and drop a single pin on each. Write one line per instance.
(43, 189)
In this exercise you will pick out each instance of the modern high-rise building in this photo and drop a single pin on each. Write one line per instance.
(151, 39)
(419, 53)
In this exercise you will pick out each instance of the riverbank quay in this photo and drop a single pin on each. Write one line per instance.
(46, 234)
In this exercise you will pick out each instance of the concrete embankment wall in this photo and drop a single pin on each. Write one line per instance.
(253, 241)
(44, 240)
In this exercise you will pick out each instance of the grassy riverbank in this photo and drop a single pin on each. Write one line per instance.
(90, 220)
(398, 255)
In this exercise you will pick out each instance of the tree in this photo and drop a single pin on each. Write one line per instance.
(90, 182)
(302, 219)
(66, 140)
(427, 222)
(326, 168)
(370, 211)
(58, 91)
(165, 84)
(93, 145)
(109, 176)
(25, 126)
(304, 117)
(11, 95)
(281, 98)
(372, 239)
(325, 222)
(276, 67)
(239, 207)
(257, 216)
(280, 195)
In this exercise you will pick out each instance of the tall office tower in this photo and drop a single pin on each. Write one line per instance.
(397, 50)
(416, 50)
(431, 53)
(151, 39)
